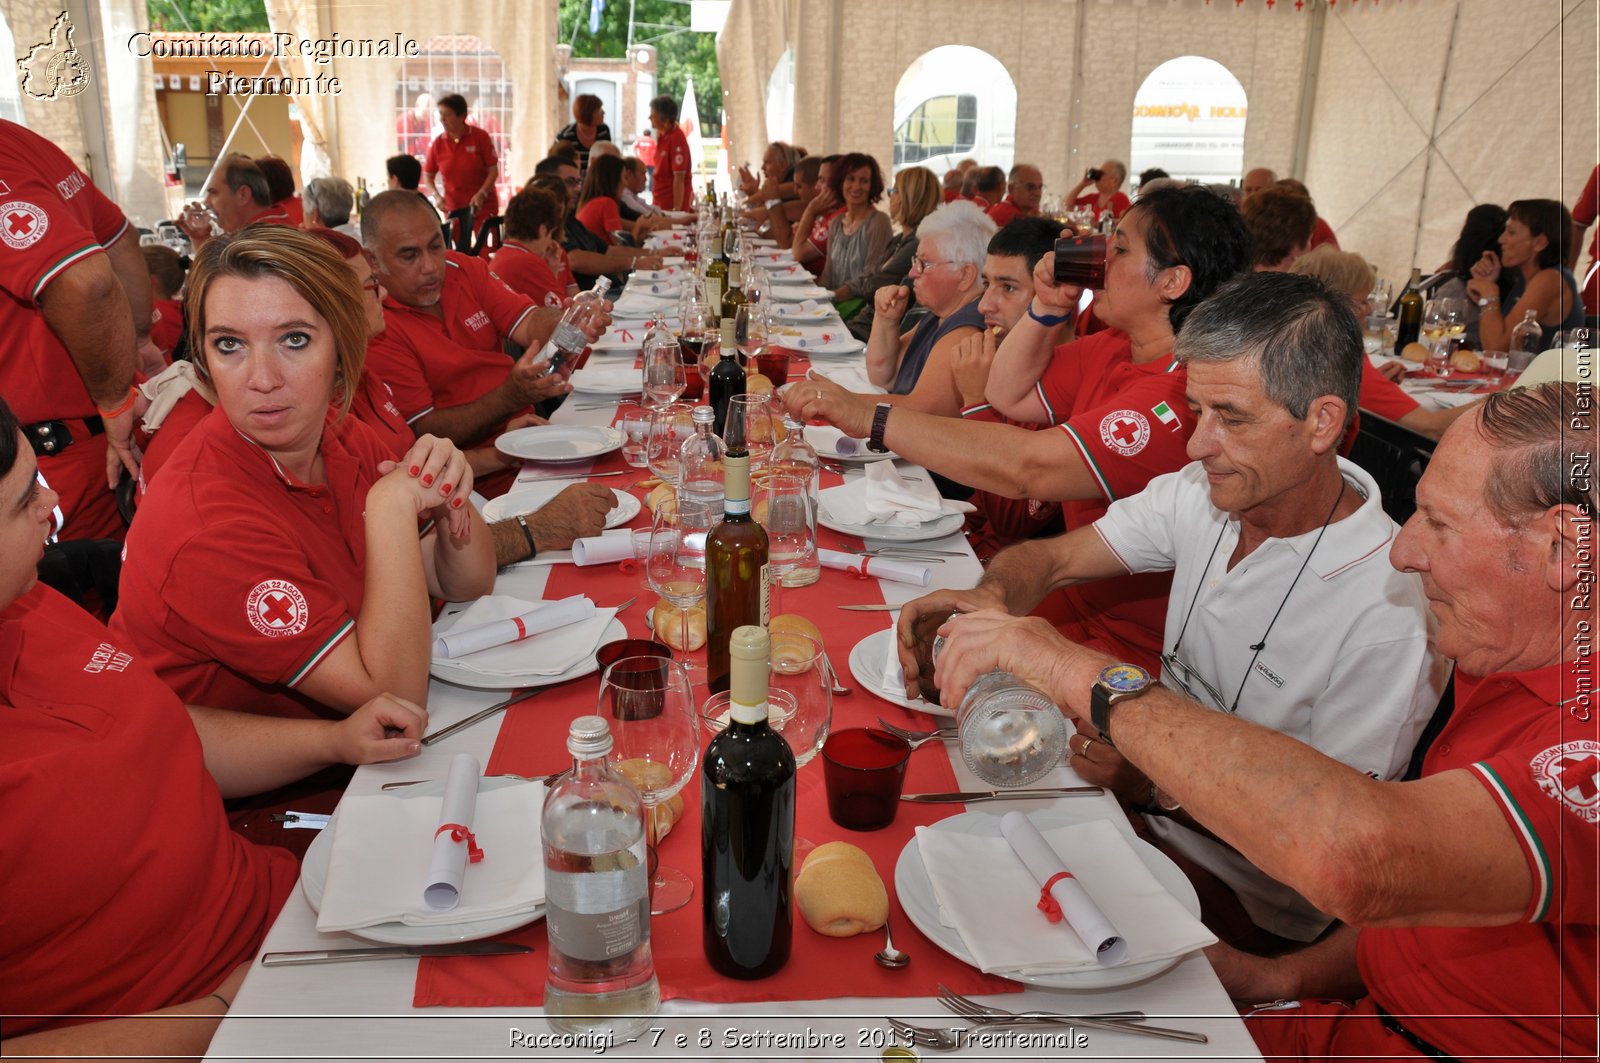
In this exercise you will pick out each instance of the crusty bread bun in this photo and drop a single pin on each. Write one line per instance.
(1466, 361)
(661, 493)
(839, 891)
(647, 774)
(788, 651)
(1415, 352)
(666, 620)
(757, 383)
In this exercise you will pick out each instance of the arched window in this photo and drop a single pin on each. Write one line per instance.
(952, 102)
(456, 63)
(780, 99)
(1188, 119)
(10, 91)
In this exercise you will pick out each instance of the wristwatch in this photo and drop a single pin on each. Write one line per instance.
(1485, 301)
(1115, 684)
(880, 422)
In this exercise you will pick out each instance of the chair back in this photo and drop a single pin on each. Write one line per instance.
(457, 228)
(1395, 457)
(489, 235)
(85, 570)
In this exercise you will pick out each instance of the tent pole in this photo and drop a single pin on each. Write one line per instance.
(830, 128)
(1075, 111)
(1310, 71)
(1433, 134)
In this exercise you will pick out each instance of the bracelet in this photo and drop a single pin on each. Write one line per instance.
(124, 407)
(880, 422)
(225, 1005)
(1048, 322)
(527, 533)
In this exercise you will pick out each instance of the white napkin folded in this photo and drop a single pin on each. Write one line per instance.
(795, 293)
(988, 896)
(883, 496)
(804, 308)
(453, 847)
(668, 274)
(877, 567)
(548, 617)
(606, 548)
(635, 306)
(1074, 906)
(620, 338)
(815, 339)
(168, 386)
(550, 653)
(383, 844)
(606, 378)
(851, 378)
(894, 673)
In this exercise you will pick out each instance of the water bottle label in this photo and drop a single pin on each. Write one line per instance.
(569, 337)
(598, 915)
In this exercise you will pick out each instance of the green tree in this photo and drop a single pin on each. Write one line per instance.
(222, 16)
(680, 52)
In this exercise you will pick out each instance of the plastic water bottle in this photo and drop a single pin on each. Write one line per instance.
(601, 979)
(1011, 733)
(568, 342)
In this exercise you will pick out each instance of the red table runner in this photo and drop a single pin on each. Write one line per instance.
(532, 741)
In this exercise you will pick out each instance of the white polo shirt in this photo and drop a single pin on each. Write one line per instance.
(1346, 668)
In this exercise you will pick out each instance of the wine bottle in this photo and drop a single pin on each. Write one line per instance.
(736, 562)
(732, 299)
(600, 977)
(747, 797)
(716, 275)
(1410, 313)
(727, 380)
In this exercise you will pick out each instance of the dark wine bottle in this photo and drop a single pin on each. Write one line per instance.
(747, 796)
(727, 379)
(716, 275)
(736, 562)
(1410, 313)
(733, 298)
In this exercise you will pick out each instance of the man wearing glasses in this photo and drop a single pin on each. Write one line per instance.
(1022, 195)
(1284, 610)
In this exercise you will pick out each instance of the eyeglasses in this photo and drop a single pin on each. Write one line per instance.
(1186, 679)
(923, 265)
(372, 284)
(1030, 186)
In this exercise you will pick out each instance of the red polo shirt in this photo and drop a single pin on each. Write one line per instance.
(600, 216)
(373, 405)
(166, 325)
(672, 157)
(529, 274)
(239, 579)
(1005, 212)
(126, 892)
(464, 166)
(1381, 395)
(52, 217)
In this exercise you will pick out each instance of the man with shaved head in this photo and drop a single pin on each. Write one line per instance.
(1025, 187)
(1256, 180)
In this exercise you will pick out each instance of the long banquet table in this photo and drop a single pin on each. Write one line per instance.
(365, 1010)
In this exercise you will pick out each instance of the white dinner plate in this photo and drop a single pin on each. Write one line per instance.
(916, 895)
(938, 528)
(464, 675)
(314, 879)
(532, 498)
(866, 664)
(814, 341)
(824, 439)
(615, 380)
(559, 443)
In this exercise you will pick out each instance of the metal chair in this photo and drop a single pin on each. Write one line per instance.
(457, 229)
(489, 236)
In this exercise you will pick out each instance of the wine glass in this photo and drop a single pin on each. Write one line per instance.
(676, 566)
(787, 508)
(670, 425)
(1454, 313)
(750, 330)
(755, 425)
(664, 376)
(698, 334)
(650, 708)
(1435, 323)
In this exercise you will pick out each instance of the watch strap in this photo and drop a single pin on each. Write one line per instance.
(1100, 713)
(880, 422)
(527, 533)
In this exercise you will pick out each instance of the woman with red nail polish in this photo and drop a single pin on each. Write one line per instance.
(286, 560)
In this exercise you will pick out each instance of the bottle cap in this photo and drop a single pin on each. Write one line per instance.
(704, 415)
(589, 737)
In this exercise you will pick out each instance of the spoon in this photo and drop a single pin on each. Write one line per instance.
(889, 956)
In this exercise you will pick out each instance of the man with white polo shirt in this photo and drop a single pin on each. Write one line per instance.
(1284, 609)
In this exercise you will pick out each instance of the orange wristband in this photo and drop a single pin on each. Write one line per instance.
(124, 407)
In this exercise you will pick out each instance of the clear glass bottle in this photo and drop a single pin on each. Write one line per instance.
(601, 978)
(569, 341)
(701, 479)
(793, 456)
(1011, 733)
(1528, 336)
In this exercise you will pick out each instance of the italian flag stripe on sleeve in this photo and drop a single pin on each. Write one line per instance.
(1166, 415)
(1538, 859)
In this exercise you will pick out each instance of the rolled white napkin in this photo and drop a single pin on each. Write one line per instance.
(883, 496)
(551, 653)
(453, 842)
(670, 273)
(877, 567)
(816, 340)
(464, 640)
(1076, 908)
(661, 287)
(828, 441)
(988, 896)
(797, 292)
(605, 549)
(382, 848)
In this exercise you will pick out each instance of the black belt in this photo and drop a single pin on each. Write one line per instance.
(52, 437)
(1427, 1048)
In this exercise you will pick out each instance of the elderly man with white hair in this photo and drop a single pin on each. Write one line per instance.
(947, 273)
(329, 201)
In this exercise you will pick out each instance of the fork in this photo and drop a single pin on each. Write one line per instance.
(920, 738)
(948, 1038)
(548, 780)
(988, 1015)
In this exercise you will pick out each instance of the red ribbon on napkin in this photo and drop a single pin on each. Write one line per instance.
(458, 833)
(1047, 903)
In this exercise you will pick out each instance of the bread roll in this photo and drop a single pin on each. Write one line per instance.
(666, 620)
(757, 383)
(1415, 352)
(649, 774)
(1465, 360)
(839, 892)
(787, 651)
(661, 493)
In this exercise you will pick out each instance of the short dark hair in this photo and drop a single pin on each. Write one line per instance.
(566, 149)
(239, 170)
(1479, 233)
(1152, 174)
(280, 179)
(990, 179)
(845, 165)
(605, 174)
(1194, 227)
(808, 168)
(1537, 428)
(585, 106)
(405, 169)
(553, 165)
(1548, 218)
(666, 107)
(456, 102)
(1029, 237)
(551, 183)
(10, 428)
(530, 209)
(1280, 220)
(166, 268)
(389, 202)
(1303, 336)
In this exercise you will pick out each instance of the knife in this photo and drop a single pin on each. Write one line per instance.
(1003, 795)
(386, 952)
(880, 608)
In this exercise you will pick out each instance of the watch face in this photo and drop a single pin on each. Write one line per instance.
(1124, 678)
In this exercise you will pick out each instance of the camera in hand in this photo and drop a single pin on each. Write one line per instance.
(1093, 174)
(1081, 261)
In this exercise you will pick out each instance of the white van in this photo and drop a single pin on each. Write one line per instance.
(954, 102)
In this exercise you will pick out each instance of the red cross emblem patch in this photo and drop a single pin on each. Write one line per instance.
(1570, 773)
(1125, 431)
(22, 224)
(277, 608)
